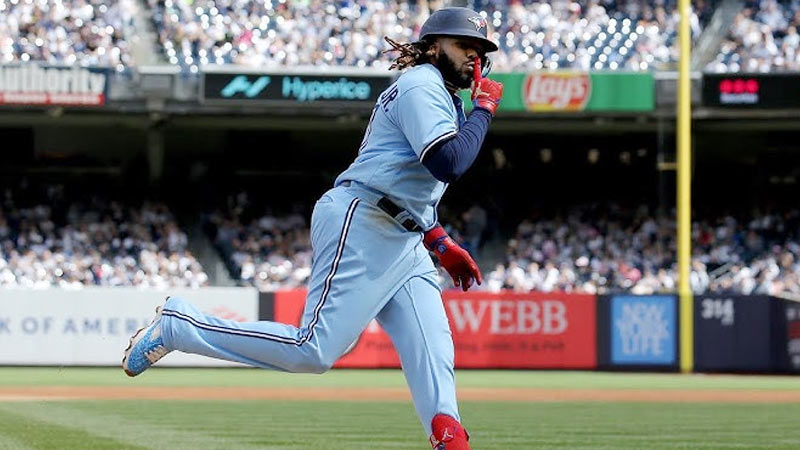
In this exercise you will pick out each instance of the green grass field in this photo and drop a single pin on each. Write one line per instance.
(335, 425)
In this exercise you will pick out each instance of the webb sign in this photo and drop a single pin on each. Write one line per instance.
(532, 330)
(490, 330)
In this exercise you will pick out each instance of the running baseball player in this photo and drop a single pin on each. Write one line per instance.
(371, 235)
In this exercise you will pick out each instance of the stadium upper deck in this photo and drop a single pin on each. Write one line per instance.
(533, 35)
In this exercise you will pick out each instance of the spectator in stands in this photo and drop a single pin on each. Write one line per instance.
(475, 224)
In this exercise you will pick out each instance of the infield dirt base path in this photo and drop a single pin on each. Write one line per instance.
(397, 394)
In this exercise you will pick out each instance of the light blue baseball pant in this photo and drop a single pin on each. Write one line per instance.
(365, 266)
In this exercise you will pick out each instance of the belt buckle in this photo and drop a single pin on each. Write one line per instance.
(410, 225)
(402, 216)
(407, 221)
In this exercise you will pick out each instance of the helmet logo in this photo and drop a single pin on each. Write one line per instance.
(478, 21)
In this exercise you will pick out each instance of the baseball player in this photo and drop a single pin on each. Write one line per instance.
(371, 235)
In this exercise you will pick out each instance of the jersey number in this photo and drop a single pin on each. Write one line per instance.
(383, 101)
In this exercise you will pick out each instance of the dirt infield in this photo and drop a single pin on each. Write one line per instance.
(397, 394)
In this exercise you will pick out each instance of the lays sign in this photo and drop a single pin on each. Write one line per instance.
(556, 91)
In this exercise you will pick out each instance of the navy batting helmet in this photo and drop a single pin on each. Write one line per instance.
(457, 21)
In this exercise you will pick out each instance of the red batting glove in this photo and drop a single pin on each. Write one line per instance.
(454, 259)
(486, 93)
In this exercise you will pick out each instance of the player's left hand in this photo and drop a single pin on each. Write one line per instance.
(458, 263)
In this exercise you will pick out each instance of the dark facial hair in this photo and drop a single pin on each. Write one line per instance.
(451, 74)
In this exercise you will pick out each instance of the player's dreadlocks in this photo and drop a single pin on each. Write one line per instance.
(411, 53)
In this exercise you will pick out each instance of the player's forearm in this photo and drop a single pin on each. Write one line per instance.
(451, 158)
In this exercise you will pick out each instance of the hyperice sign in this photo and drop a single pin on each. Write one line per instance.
(292, 88)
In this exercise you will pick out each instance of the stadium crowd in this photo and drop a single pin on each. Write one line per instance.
(583, 251)
(593, 34)
(586, 35)
(280, 33)
(532, 34)
(262, 249)
(272, 251)
(71, 32)
(763, 38)
(58, 242)
(72, 244)
(635, 252)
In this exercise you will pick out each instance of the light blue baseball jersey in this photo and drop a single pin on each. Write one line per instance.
(364, 265)
(410, 117)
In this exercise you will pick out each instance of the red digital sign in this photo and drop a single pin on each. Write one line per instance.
(756, 90)
(738, 90)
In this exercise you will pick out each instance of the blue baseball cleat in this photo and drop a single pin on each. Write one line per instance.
(145, 348)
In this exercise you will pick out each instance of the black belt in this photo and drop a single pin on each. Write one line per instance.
(399, 214)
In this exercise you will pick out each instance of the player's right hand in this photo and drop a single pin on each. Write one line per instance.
(458, 263)
(486, 93)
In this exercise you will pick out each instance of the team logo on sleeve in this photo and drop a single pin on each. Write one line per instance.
(478, 21)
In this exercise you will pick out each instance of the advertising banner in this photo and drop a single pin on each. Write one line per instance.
(292, 88)
(490, 330)
(732, 333)
(744, 90)
(547, 92)
(33, 84)
(92, 326)
(793, 335)
(643, 330)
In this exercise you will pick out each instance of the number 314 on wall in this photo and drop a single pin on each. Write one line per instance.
(718, 308)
